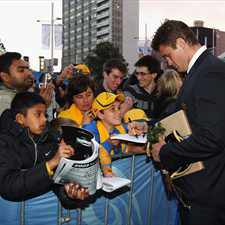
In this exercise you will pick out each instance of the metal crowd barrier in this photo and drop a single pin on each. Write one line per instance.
(148, 214)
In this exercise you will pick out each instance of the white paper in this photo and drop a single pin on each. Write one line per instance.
(83, 172)
(110, 184)
(142, 139)
(87, 173)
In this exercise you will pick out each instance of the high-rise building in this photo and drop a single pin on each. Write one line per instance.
(89, 22)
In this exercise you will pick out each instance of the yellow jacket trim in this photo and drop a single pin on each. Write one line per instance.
(72, 113)
(50, 172)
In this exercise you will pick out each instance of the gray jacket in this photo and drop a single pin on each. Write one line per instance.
(6, 96)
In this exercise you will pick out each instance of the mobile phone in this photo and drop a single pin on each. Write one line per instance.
(47, 78)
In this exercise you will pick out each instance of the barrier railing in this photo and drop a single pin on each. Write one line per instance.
(144, 203)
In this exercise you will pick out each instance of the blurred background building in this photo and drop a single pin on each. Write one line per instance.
(213, 38)
(89, 22)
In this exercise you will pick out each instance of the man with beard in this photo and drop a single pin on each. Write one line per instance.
(15, 76)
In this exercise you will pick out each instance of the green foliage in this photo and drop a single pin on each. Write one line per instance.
(154, 133)
(103, 52)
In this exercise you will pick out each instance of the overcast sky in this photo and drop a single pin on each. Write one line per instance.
(19, 29)
(20, 32)
(154, 12)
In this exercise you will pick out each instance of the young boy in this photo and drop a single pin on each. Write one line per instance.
(137, 121)
(29, 154)
(106, 109)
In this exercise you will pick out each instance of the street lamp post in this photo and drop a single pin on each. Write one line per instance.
(52, 37)
(146, 49)
(52, 24)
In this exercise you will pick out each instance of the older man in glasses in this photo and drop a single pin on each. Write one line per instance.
(144, 92)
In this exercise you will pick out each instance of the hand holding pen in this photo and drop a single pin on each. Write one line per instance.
(137, 128)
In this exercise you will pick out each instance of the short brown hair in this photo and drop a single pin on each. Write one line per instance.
(151, 63)
(7, 59)
(168, 33)
(78, 85)
(115, 64)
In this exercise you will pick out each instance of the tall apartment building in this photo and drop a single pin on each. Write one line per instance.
(89, 22)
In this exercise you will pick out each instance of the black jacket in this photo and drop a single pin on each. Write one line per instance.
(203, 97)
(23, 173)
(142, 99)
(164, 107)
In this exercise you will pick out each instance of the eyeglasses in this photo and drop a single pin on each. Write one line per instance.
(141, 73)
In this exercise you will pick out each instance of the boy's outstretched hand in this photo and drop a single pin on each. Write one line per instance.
(64, 150)
(75, 191)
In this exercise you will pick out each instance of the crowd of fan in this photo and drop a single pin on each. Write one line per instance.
(116, 104)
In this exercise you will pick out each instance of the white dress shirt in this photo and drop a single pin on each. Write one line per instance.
(195, 57)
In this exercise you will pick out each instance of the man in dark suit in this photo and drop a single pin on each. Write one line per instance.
(202, 194)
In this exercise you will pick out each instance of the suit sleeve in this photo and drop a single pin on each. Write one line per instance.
(208, 135)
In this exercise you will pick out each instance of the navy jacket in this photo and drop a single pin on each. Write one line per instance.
(203, 97)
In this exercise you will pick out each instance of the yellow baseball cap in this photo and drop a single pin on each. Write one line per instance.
(104, 100)
(83, 69)
(135, 115)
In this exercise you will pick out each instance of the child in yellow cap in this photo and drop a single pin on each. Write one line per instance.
(137, 121)
(106, 109)
(137, 124)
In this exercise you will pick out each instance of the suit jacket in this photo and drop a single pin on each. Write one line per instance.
(203, 95)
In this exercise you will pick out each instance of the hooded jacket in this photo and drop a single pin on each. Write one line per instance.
(23, 172)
